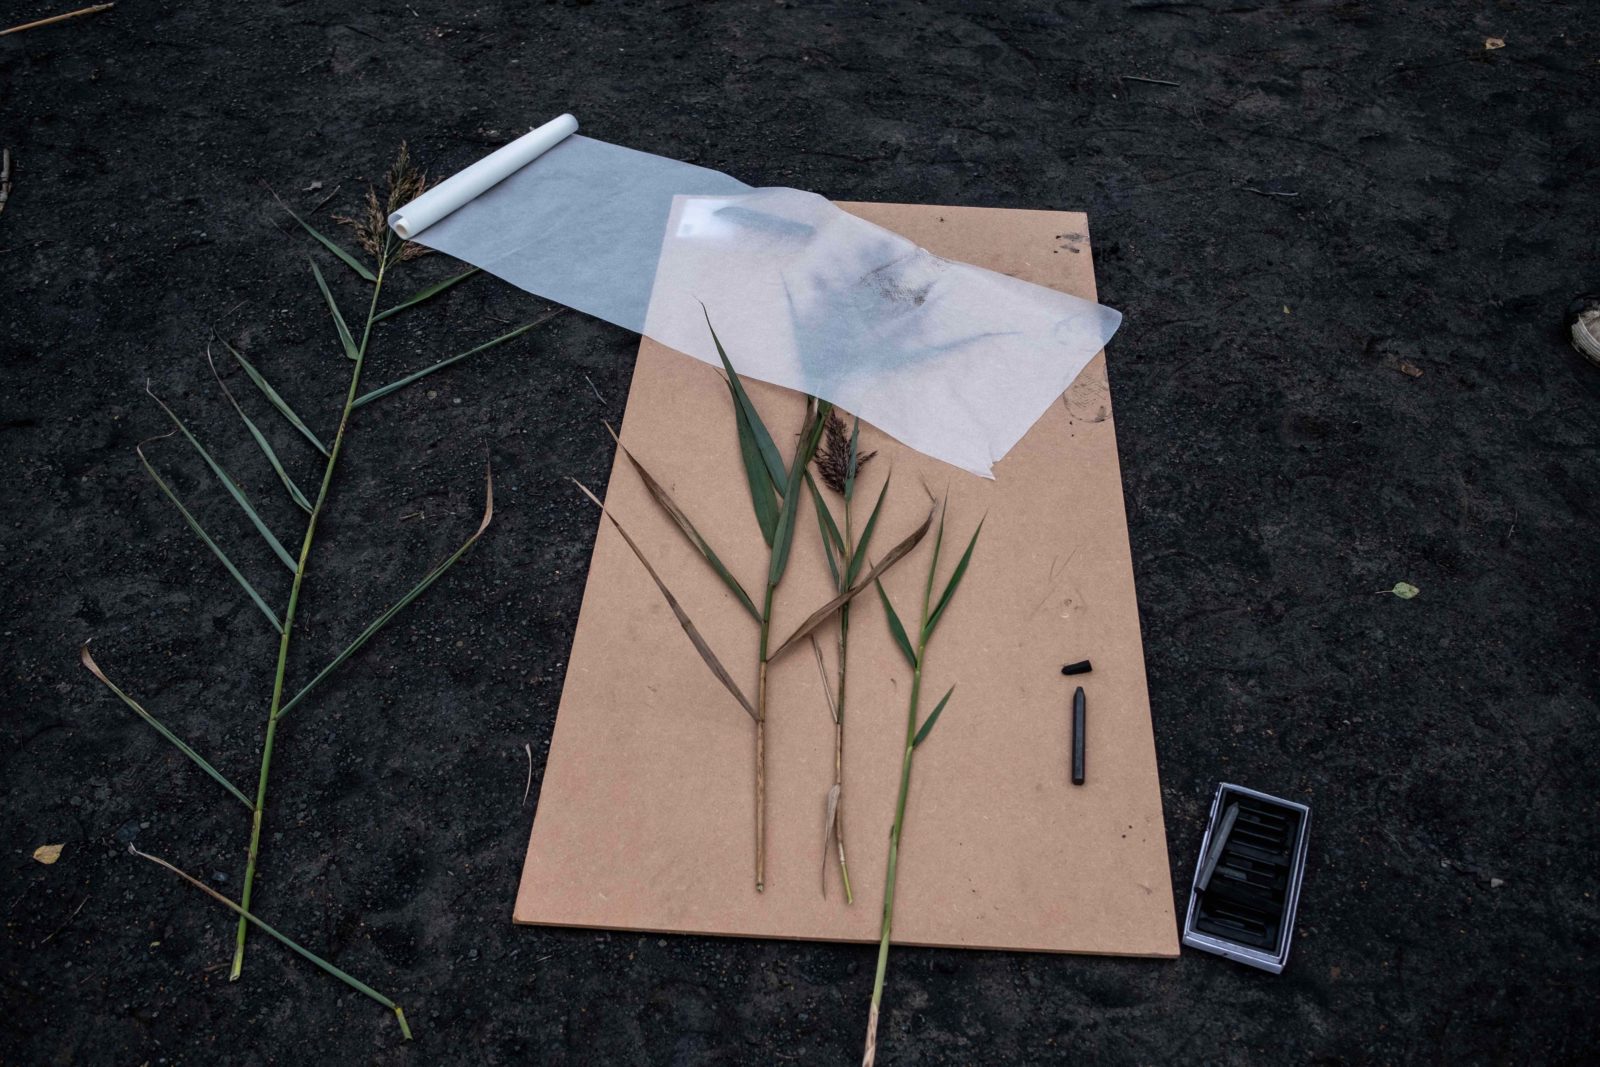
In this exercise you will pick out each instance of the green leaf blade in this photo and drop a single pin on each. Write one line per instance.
(831, 541)
(177, 742)
(866, 536)
(763, 497)
(927, 725)
(261, 441)
(345, 339)
(400, 605)
(233, 488)
(349, 260)
(216, 550)
(426, 294)
(770, 456)
(394, 386)
(810, 435)
(953, 584)
(897, 628)
(933, 565)
(273, 398)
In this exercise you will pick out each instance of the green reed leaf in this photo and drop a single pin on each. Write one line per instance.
(896, 628)
(260, 439)
(832, 542)
(177, 742)
(922, 734)
(955, 581)
(763, 497)
(426, 294)
(349, 260)
(866, 536)
(272, 395)
(400, 605)
(783, 539)
(345, 339)
(209, 543)
(233, 487)
(328, 968)
(832, 535)
(770, 455)
(384, 390)
(933, 564)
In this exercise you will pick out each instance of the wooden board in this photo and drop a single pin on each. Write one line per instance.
(645, 817)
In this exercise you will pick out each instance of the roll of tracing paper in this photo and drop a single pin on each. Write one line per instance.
(951, 359)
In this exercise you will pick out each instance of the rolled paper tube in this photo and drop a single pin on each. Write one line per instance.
(483, 175)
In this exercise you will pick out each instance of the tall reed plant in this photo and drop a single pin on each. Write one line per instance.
(384, 256)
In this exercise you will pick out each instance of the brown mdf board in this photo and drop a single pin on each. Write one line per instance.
(645, 818)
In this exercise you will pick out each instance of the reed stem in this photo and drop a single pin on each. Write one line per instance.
(761, 743)
(870, 1053)
(288, 624)
(838, 727)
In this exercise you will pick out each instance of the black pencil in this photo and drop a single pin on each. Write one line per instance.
(1078, 713)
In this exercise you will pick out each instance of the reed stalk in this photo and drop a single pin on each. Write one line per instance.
(916, 655)
(259, 810)
(836, 806)
(403, 183)
(781, 541)
(838, 462)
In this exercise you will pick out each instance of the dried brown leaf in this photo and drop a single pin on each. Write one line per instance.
(822, 614)
(688, 625)
(670, 506)
(827, 832)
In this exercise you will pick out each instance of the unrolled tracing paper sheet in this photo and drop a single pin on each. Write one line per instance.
(644, 819)
(945, 356)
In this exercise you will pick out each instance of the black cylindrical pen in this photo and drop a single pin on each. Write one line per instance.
(1078, 711)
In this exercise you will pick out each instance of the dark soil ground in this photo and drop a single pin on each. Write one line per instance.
(1331, 190)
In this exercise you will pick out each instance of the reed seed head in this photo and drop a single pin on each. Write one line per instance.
(833, 455)
(402, 184)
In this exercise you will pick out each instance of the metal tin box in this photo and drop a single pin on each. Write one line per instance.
(1247, 881)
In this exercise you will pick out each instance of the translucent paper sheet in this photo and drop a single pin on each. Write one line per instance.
(953, 360)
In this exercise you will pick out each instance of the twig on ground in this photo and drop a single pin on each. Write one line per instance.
(1149, 81)
(67, 922)
(593, 390)
(1267, 192)
(58, 18)
(529, 787)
